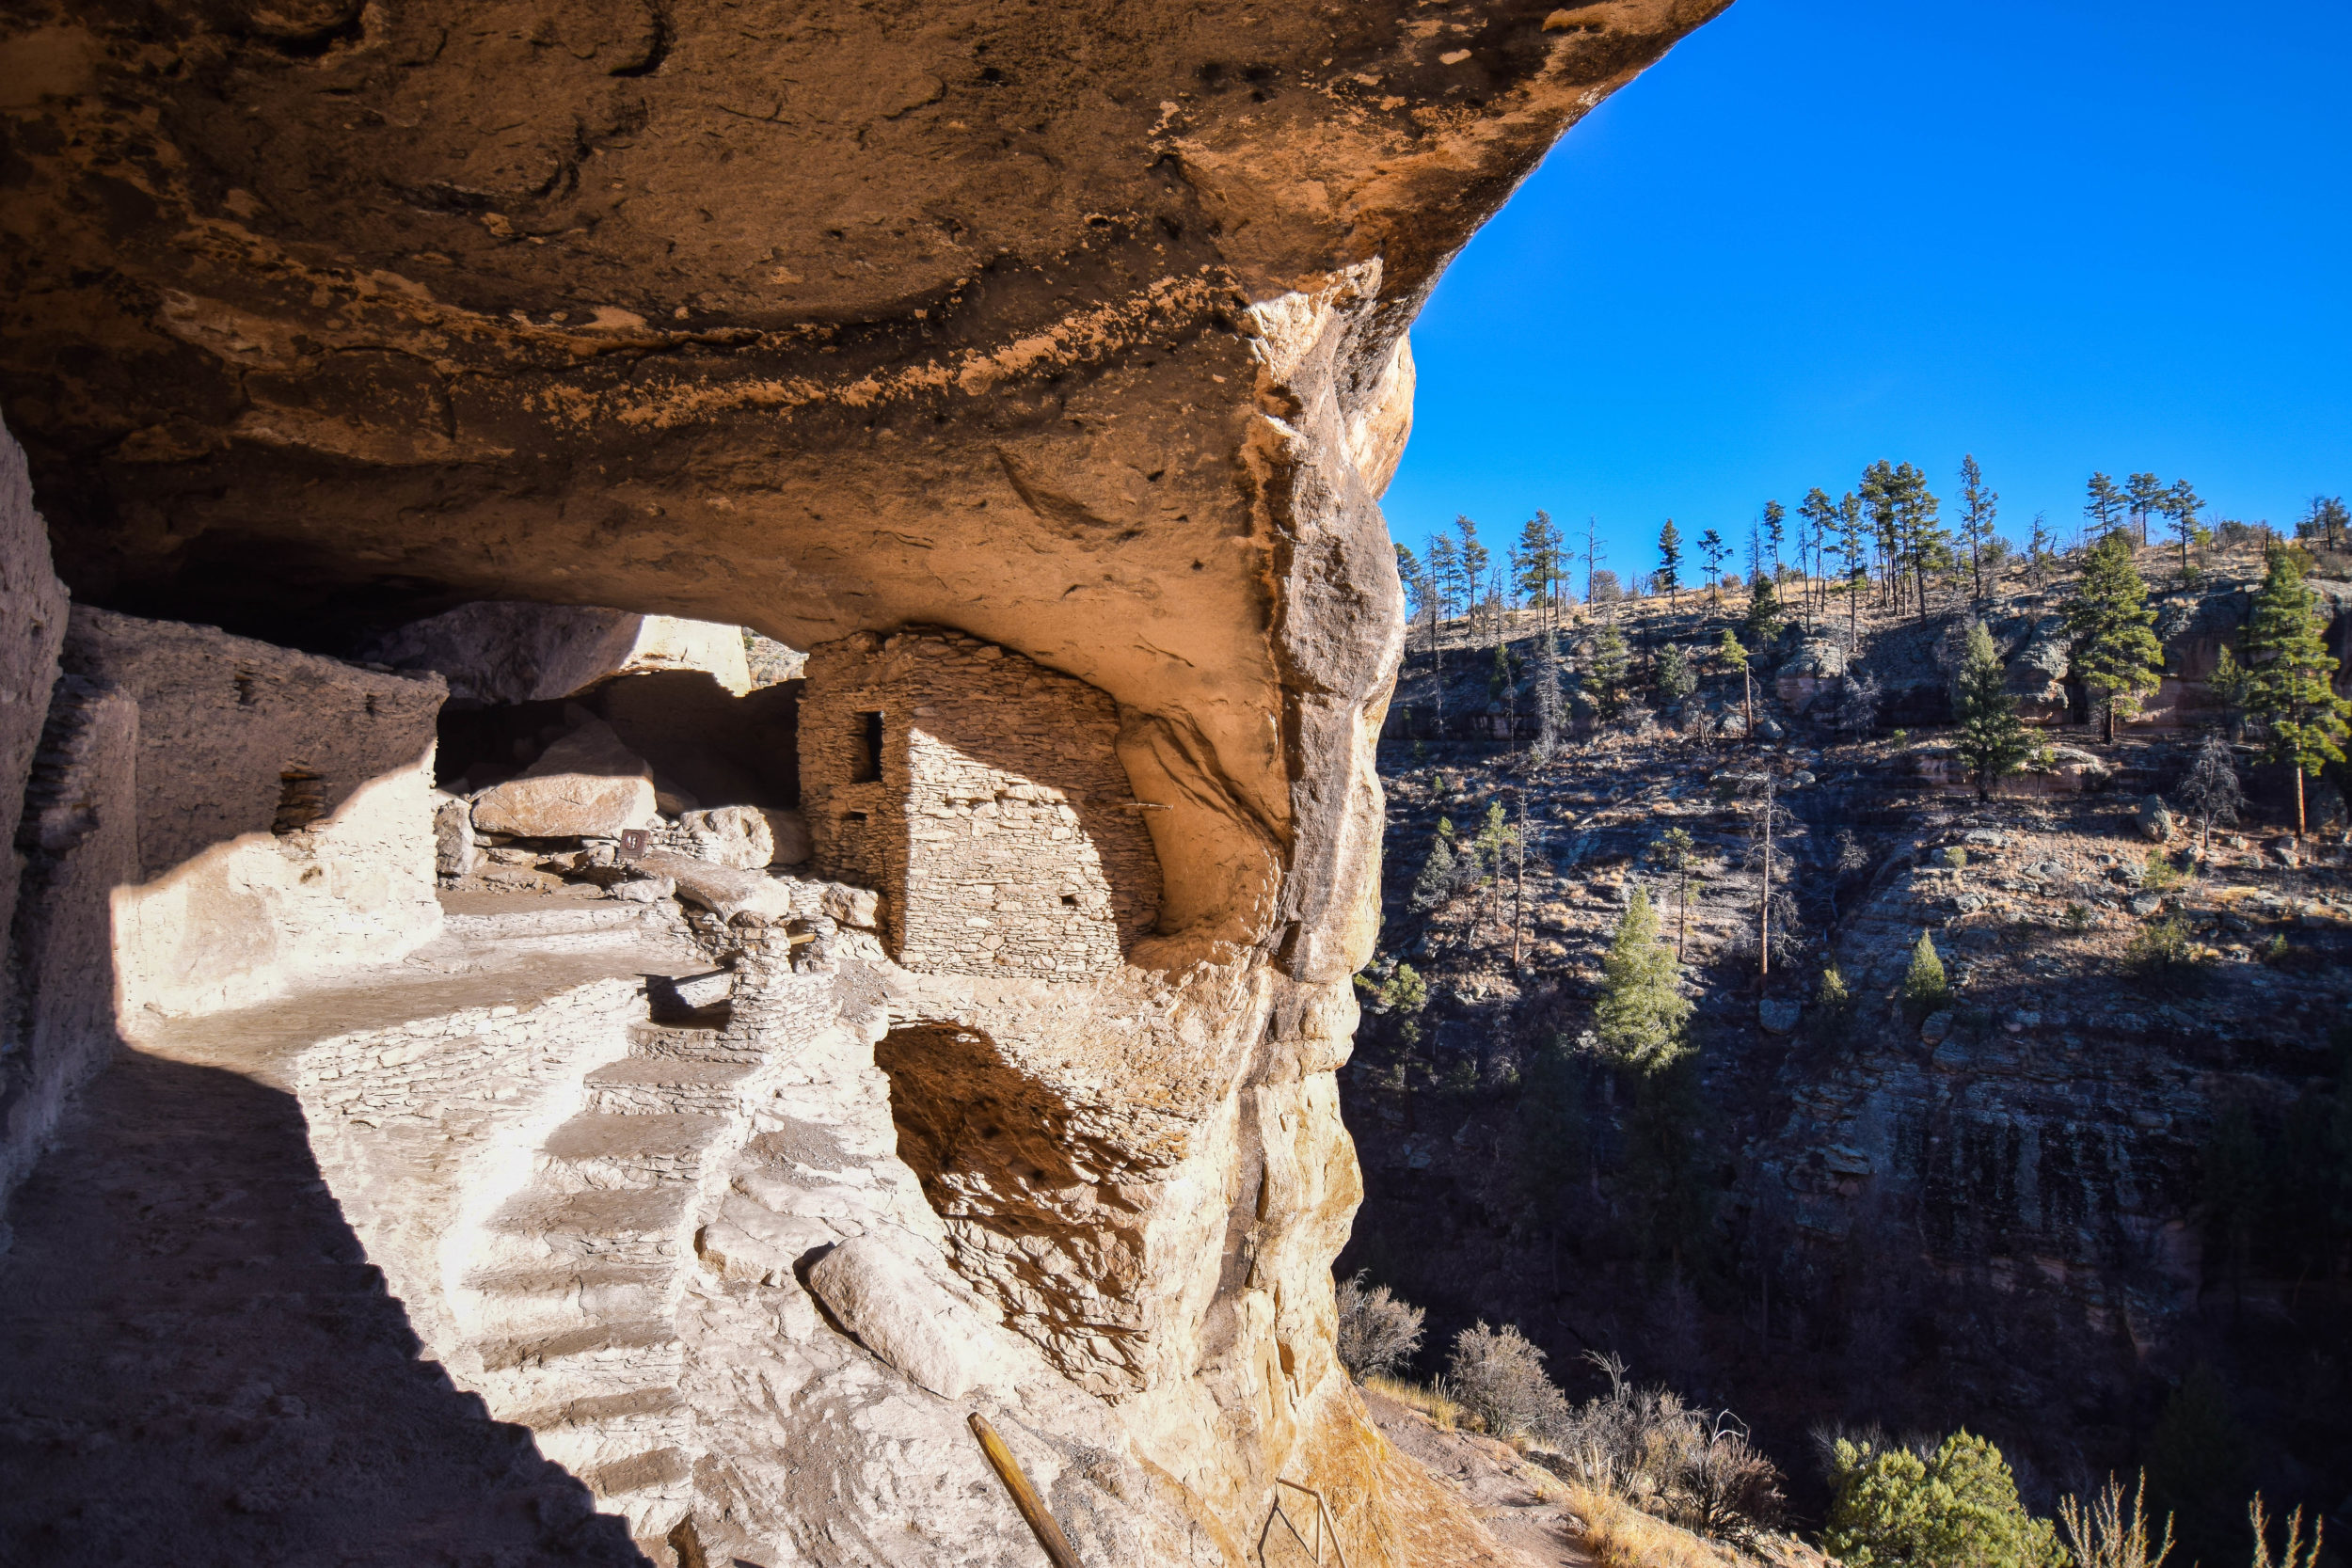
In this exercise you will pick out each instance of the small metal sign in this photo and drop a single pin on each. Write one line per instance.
(633, 843)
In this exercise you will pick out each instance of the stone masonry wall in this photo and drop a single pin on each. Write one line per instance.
(78, 842)
(285, 811)
(999, 824)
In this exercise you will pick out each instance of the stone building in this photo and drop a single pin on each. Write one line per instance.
(983, 795)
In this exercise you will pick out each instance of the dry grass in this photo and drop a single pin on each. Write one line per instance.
(1620, 1535)
(1419, 1396)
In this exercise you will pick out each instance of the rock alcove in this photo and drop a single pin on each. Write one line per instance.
(1072, 338)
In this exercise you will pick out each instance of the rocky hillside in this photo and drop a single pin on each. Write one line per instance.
(2091, 1205)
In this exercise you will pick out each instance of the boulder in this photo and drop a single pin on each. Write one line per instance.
(499, 652)
(2154, 819)
(747, 837)
(1935, 1027)
(907, 1318)
(644, 890)
(790, 830)
(1817, 666)
(454, 851)
(1779, 1015)
(585, 786)
(852, 906)
(2036, 673)
(723, 889)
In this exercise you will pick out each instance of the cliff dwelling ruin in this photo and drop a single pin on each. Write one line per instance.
(687, 708)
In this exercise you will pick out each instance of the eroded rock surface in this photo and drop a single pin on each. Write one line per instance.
(1079, 334)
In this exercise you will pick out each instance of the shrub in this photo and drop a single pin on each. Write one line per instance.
(2161, 951)
(1697, 1470)
(1956, 858)
(1377, 1333)
(2107, 1535)
(1925, 988)
(1955, 1508)
(1498, 1375)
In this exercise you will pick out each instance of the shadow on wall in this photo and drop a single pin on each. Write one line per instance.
(999, 1157)
(193, 1348)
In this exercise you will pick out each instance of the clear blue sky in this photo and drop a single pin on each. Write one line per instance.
(2061, 234)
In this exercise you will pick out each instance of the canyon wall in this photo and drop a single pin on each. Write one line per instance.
(1079, 332)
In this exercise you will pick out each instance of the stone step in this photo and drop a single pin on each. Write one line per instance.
(641, 1226)
(492, 918)
(680, 1041)
(597, 1148)
(667, 1086)
(515, 1303)
(594, 1430)
(650, 1489)
(551, 1370)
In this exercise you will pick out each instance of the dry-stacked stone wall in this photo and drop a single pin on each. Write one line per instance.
(983, 795)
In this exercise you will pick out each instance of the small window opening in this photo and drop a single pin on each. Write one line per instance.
(244, 680)
(301, 800)
(1069, 900)
(869, 755)
(858, 817)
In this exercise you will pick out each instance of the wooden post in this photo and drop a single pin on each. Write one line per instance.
(1007, 1468)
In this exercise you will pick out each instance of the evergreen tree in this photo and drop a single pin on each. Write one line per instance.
(1675, 679)
(1978, 507)
(1642, 1013)
(1882, 492)
(1775, 530)
(2104, 507)
(1712, 551)
(2143, 497)
(1593, 556)
(1442, 570)
(2117, 655)
(1956, 1508)
(1763, 620)
(1733, 656)
(1992, 740)
(2180, 504)
(1543, 566)
(1438, 870)
(1471, 561)
(2288, 673)
(1925, 987)
(1924, 546)
(1821, 515)
(1605, 680)
(1854, 553)
(1669, 575)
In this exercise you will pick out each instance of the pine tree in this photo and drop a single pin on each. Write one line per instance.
(1775, 521)
(1438, 870)
(2104, 507)
(2181, 504)
(2143, 497)
(1712, 551)
(1992, 740)
(1607, 678)
(2289, 672)
(1854, 553)
(1882, 492)
(1821, 515)
(1442, 570)
(1924, 985)
(2117, 655)
(2326, 520)
(1733, 656)
(1763, 621)
(1675, 679)
(1471, 561)
(1542, 565)
(1641, 1012)
(1593, 554)
(1669, 576)
(1924, 546)
(1978, 507)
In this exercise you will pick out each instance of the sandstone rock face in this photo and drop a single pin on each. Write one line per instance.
(906, 1319)
(1080, 337)
(33, 628)
(496, 652)
(585, 786)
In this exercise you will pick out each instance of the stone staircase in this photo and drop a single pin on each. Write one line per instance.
(569, 1285)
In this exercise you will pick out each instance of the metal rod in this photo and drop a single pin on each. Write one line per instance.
(1323, 1519)
(1007, 1468)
